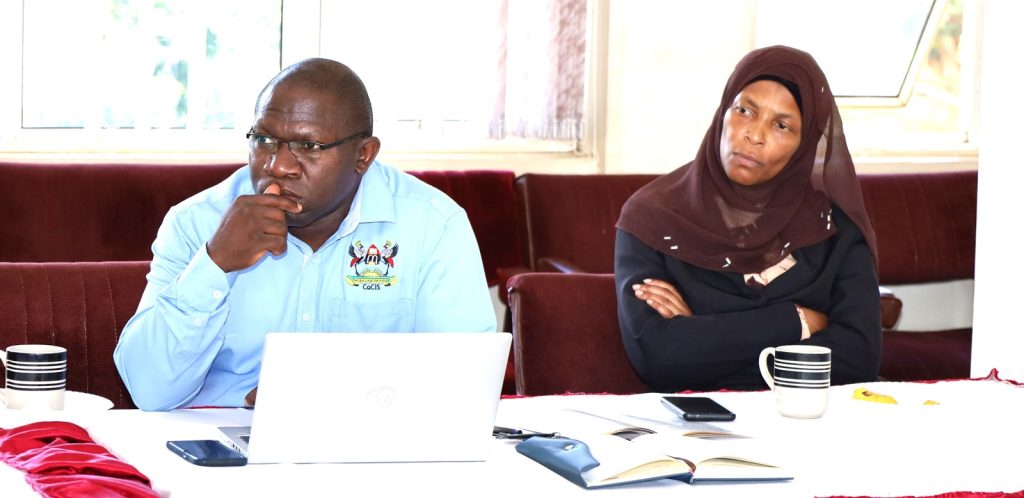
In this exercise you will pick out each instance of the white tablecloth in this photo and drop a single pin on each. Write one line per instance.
(969, 442)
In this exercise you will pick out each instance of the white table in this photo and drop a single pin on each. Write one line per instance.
(970, 442)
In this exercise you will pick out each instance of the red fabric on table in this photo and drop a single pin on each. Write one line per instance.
(60, 460)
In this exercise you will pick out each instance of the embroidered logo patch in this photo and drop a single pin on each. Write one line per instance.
(372, 266)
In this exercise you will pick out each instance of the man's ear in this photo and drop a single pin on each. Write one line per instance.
(368, 150)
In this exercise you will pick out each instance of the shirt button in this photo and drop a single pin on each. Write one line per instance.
(305, 317)
(217, 294)
(197, 322)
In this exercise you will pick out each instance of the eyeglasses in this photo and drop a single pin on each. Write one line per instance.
(267, 144)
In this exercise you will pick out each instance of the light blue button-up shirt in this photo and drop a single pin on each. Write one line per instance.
(404, 260)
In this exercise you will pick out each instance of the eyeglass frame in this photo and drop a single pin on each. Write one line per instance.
(319, 146)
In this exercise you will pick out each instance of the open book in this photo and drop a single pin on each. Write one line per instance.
(632, 454)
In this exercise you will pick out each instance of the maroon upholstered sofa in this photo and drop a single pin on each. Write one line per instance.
(925, 224)
(85, 212)
(81, 306)
(566, 332)
(568, 223)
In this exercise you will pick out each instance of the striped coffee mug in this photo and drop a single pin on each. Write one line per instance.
(800, 376)
(35, 376)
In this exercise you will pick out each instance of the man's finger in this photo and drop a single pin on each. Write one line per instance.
(283, 203)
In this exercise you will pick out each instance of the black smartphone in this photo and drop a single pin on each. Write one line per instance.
(207, 452)
(697, 409)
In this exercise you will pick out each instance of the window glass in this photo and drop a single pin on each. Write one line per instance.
(145, 64)
(895, 67)
(183, 75)
(936, 111)
(865, 47)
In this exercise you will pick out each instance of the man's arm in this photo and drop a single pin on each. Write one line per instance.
(166, 349)
(453, 295)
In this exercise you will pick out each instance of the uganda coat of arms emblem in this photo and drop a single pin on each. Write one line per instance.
(372, 266)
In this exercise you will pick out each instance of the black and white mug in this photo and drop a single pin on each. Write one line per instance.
(35, 376)
(800, 376)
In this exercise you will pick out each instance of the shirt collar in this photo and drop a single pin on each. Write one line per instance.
(373, 201)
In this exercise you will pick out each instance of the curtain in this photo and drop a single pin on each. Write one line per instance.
(541, 70)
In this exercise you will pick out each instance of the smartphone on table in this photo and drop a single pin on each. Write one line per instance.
(697, 409)
(207, 452)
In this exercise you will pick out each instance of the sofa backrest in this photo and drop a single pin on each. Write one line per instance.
(572, 217)
(93, 212)
(925, 224)
(80, 306)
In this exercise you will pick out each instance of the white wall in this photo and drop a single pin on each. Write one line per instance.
(998, 338)
(668, 61)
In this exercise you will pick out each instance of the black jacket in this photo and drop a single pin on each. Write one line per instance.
(718, 347)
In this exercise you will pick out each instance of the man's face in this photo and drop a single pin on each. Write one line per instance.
(325, 184)
(760, 133)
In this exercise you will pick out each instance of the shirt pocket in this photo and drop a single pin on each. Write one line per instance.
(394, 315)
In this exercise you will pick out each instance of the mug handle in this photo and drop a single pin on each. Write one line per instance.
(3, 392)
(763, 364)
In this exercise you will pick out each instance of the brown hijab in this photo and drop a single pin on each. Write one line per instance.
(696, 214)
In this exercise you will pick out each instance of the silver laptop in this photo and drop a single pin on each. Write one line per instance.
(375, 397)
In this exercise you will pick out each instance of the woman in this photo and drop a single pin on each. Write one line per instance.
(762, 240)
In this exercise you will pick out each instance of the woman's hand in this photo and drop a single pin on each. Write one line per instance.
(250, 399)
(663, 297)
(816, 320)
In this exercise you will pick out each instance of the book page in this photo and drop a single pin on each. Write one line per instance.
(725, 458)
(622, 461)
(697, 450)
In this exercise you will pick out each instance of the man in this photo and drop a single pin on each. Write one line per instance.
(312, 235)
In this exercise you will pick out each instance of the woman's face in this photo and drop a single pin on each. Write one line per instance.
(760, 133)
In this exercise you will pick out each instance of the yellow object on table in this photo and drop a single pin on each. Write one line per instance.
(863, 394)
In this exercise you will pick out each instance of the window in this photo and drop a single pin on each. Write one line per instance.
(895, 68)
(183, 75)
(143, 64)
